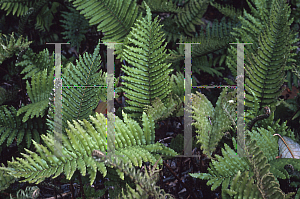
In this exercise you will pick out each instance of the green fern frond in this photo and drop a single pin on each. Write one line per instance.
(76, 27)
(39, 93)
(80, 102)
(160, 111)
(83, 138)
(266, 183)
(251, 171)
(148, 78)
(211, 123)
(264, 68)
(223, 169)
(19, 7)
(114, 18)
(11, 46)
(44, 16)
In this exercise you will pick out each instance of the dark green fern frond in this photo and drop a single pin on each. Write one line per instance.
(132, 144)
(19, 7)
(11, 127)
(44, 16)
(171, 33)
(114, 18)
(214, 39)
(148, 78)
(228, 11)
(76, 27)
(32, 11)
(194, 11)
(39, 93)
(11, 46)
(34, 63)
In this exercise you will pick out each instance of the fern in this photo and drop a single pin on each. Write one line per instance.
(212, 122)
(150, 73)
(114, 18)
(39, 93)
(5, 180)
(76, 27)
(228, 11)
(215, 38)
(11, 127)
(194, 11)
(264, 68)
(11, 46)
(134, 146)
(145, 183)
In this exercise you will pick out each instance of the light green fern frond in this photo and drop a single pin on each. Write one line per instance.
(132, 144)
(211, 123)
(11, 46)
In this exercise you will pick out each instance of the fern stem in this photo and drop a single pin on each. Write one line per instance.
(285, 143)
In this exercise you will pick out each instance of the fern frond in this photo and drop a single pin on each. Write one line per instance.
(161, 6)
(76, 27)
(264, 68)
(148, 78)
(80, 102)
(11, 46)
(193, 12)
(228, 11)
(145, 183)
(33, 63)
(11, 127)
(83, 138)
(19, 7)
(211, 123)
(5, 180)
(216, 38)
(114, 18)
(39, 93)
